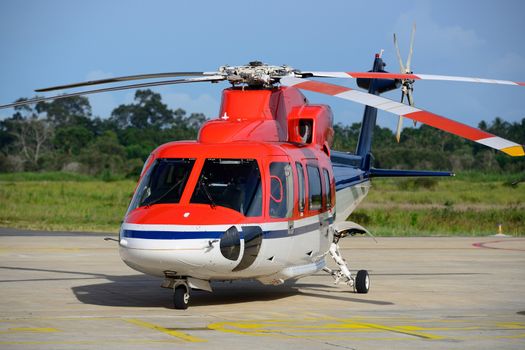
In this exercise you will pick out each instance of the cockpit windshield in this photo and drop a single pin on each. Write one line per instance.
(231, 183)
(164, 182)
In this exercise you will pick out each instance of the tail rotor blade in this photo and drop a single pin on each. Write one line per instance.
(399, 59)
(398, 129)
(411, 49)
(127, 78)
(215, 78)
(410, 98)
(411, 102)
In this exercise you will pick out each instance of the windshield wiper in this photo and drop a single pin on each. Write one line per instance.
(204, 186)
(156, 200)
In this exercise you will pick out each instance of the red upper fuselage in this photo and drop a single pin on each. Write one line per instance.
(261, 127)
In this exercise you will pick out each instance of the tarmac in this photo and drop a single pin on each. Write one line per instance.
(71, 290)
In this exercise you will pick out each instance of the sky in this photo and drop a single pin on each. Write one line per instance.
(52, 42)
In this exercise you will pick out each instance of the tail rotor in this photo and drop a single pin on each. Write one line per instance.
(407, 87)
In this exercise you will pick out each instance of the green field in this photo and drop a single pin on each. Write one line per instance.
(469, 204)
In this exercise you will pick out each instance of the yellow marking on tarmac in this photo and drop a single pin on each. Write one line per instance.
(29, 329)
(513, 325)
(399, 330)
(172, 332)
(283, 327)
(355, 323)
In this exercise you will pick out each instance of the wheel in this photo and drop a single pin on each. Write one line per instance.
(181, 297)
(362, 282)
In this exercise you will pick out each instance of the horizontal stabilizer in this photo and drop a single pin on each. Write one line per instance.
(345, 158)
(406, 173)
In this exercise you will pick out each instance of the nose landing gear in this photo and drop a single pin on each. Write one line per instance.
(181, 295)
(181, 289)
(182, 286)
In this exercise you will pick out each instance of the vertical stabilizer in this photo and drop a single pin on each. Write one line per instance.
(374, 86)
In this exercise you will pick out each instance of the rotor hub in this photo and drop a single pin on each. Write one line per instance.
(256, 74)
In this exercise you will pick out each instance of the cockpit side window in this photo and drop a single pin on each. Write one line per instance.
(230, 183)
(281, 190)
(163, 182)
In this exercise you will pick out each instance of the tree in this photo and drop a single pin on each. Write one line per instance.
(105, 155)
(71, 139)
(195, 120)
(68, 111)
(32, 137)
(147, 111)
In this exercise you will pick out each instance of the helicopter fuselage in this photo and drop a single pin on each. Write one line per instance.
(253, 197)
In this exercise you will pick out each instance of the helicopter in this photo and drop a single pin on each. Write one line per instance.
(260, 194)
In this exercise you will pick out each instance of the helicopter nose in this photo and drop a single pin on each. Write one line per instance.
(158, 244)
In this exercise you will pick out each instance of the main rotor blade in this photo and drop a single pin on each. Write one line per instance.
(379, 75)
(127, 78)
(215, 78)
(411, 49)
(422, 116)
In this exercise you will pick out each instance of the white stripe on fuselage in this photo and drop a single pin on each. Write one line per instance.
(202, 243)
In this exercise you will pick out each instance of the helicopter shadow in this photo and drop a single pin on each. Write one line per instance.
(144, 291)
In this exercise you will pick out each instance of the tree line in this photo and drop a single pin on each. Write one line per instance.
(64, 135)
(425, 147)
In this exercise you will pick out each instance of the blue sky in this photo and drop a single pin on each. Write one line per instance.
(51, 42)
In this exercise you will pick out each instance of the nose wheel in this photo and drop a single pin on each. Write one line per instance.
(181, 296)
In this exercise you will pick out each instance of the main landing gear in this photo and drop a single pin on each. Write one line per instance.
(361, 283)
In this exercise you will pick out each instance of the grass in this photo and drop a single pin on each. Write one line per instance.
(48, 203)
(469, 204)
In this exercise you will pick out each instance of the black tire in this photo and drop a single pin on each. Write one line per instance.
(362, 282)
(181, 297)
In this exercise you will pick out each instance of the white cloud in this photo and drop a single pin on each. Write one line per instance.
(433, 37)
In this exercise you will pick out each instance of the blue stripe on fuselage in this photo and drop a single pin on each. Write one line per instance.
(174, 235)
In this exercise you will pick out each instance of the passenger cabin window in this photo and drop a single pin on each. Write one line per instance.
(281, 190)
(314, 187)
(301, 185)
(164, 182)
(328, 189)
(230, 183)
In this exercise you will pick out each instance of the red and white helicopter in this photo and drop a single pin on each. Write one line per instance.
(260, 194)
